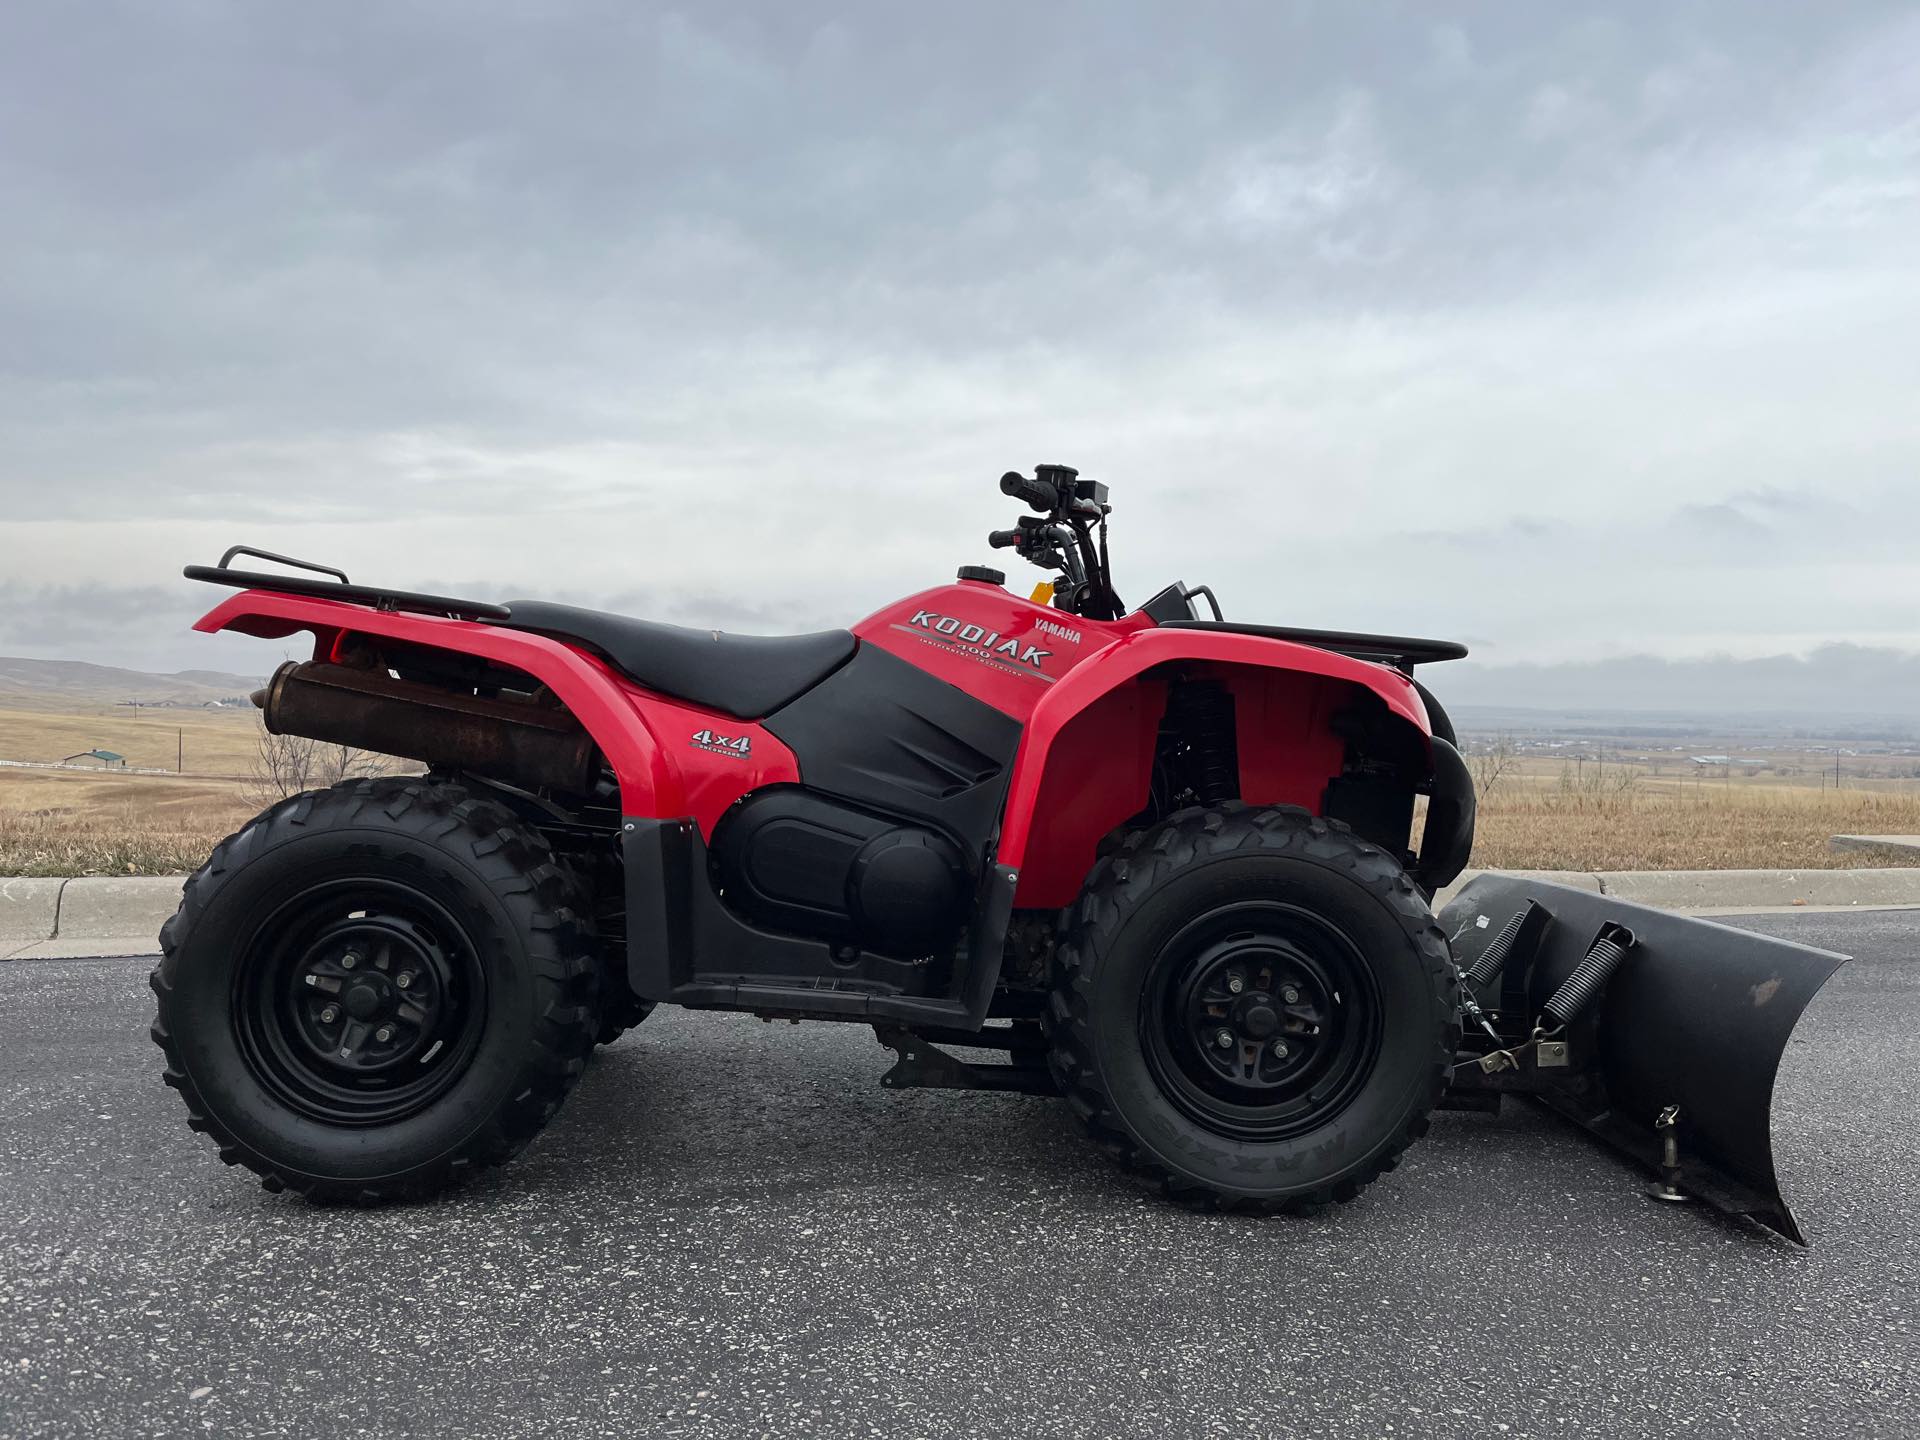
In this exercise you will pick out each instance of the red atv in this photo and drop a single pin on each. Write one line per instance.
(1163, 860)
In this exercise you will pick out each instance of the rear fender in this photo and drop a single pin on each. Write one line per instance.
(1085, 761)
(648, 741)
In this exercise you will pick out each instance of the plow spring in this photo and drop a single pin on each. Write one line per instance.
(1657, 1033)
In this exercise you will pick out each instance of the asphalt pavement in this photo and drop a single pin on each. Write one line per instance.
(732, 1230)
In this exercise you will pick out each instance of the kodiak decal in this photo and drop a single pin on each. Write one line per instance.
(979, 642)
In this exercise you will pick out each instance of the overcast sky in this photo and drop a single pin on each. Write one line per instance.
(1562, 330)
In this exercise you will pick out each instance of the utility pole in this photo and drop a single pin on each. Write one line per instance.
(180, 761)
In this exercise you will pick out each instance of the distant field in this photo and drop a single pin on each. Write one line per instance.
(1538, 813)
(108, 822)
(212, 742)
(1533, 823)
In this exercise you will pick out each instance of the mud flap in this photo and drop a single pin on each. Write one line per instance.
(1661, 1034)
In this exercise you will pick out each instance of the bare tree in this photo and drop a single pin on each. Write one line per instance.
(1599, 780)
(289, 764)
(1490, 766)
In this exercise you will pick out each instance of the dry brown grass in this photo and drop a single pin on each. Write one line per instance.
(62, 823)
(1532, 823)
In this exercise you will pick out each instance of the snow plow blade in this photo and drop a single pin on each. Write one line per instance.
(1659, 1033)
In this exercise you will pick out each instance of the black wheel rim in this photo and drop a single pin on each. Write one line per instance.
(359, 1002)
(1261, 1020)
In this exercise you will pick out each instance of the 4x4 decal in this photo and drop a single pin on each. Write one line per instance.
(738, 746)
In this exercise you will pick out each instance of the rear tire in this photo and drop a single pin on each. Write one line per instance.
(373, 990)
(1254, 1007)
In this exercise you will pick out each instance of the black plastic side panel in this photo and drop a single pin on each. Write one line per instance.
(888, 734)
(987, 943)
(658, 856)
(881, 733)
(685, 946)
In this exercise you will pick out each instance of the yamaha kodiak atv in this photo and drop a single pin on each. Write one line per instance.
(1166, 862)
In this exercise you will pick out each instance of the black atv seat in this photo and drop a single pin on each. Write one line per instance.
(745, 676)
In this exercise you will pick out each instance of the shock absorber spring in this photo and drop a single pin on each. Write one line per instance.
(1603, 957)
(1493, 959)
(1202, 713)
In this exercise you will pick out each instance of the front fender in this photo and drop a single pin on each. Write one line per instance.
(1447, 841)
(1132, 656)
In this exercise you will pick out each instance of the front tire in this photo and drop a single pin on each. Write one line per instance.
(1254, 1007)
(372, 990)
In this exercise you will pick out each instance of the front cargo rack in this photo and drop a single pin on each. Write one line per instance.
(337, 588)
(1401, 651)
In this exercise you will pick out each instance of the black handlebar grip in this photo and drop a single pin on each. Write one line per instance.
(1037, 493)
(1004, 539)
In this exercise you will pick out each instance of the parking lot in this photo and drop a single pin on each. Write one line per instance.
(731, 1229)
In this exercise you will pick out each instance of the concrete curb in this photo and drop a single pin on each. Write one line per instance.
(93, 915)
(1901, 844)
(113, 915)
(28, 910)
(1735, 889)
(1574, 879)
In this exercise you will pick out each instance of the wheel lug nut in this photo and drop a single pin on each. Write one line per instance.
(383, 1034)
(349, 960)
(1235, 984)
(1290, 995)
(1223, 1039)
(329, 1015)
(404, 979)
(1280, 1049)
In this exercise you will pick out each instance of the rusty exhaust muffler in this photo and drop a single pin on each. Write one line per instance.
(370, 710)
(1659, 1033)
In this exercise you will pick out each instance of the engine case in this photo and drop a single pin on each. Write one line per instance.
(791, 859)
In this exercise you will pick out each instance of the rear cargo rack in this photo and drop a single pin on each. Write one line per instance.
(339, 588)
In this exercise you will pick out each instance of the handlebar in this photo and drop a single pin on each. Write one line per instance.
(1063, 536)
(1037, 493)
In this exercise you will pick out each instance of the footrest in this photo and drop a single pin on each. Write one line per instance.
(925, 1066)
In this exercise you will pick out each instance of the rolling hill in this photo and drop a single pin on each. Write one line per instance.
(76, 682)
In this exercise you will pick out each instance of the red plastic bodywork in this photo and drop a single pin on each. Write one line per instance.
(647, 738)
(1084, 690)
(960, 633)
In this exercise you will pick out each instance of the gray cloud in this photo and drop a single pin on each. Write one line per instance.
(668, 309)
(1835, 681)
(76, 619)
